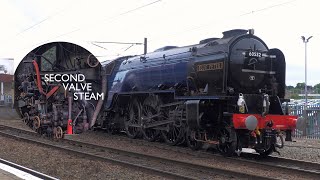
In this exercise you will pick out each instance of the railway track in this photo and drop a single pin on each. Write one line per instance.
(284, 163)
(303, 167)
(272, 161)
(157, 165)
(137, 160)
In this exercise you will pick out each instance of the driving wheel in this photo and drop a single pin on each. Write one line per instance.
(227, 141)
(150, 114)
(133, 121)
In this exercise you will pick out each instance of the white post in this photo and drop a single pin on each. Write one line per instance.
(2, 95)
(1, 88)
(305, 41)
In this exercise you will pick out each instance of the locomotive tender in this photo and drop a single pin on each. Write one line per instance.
(226, 91)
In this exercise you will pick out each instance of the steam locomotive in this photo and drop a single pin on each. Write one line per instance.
(225, 91)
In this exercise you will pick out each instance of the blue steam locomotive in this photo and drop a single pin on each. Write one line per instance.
(225, 91)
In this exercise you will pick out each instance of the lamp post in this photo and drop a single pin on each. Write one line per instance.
(305, 41)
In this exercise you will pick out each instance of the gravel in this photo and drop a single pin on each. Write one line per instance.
(8, 114)
(64, 165)
(178, 153)
(47, 158)
(302, 149)
(67, 166)
(299, 151)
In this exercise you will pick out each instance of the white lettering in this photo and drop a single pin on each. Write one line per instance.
(100, 96)
(87, 96)
(75, 97)
(46, 78)
(89, 86)
(65, 85)
(81, 77)
(72, 82)
(72, 87)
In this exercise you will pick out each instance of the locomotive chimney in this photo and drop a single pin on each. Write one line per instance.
(234, 32)
(251, 31)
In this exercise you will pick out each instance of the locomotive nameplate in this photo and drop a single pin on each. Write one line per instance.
(210, 66)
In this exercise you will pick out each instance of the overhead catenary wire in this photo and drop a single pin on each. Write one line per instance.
(34, 25)
(269, 7)
(204, 26)
(106, 42)
(128, 47)
(122, 43)
(105, 20)
(116, 54)
(43, 20)
(98, 46)
(176, 34)
(109, 19)
(222, 20)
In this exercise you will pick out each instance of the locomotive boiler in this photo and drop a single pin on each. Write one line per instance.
(226, 91)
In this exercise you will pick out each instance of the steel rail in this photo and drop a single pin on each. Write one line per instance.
(61, 146)
(285, 163)
(302, 167)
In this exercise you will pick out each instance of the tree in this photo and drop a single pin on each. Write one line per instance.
(289, 87)
(300, 85)
(317, 86)
(295, 96)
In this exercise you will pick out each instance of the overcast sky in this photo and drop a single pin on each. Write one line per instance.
(8, 66)
(280, 23)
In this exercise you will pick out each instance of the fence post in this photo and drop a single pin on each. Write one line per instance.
(305, 116)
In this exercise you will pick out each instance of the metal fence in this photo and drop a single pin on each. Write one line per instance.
(6, 100)
(312, 116)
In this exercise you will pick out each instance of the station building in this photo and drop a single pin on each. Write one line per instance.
(6, 89)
